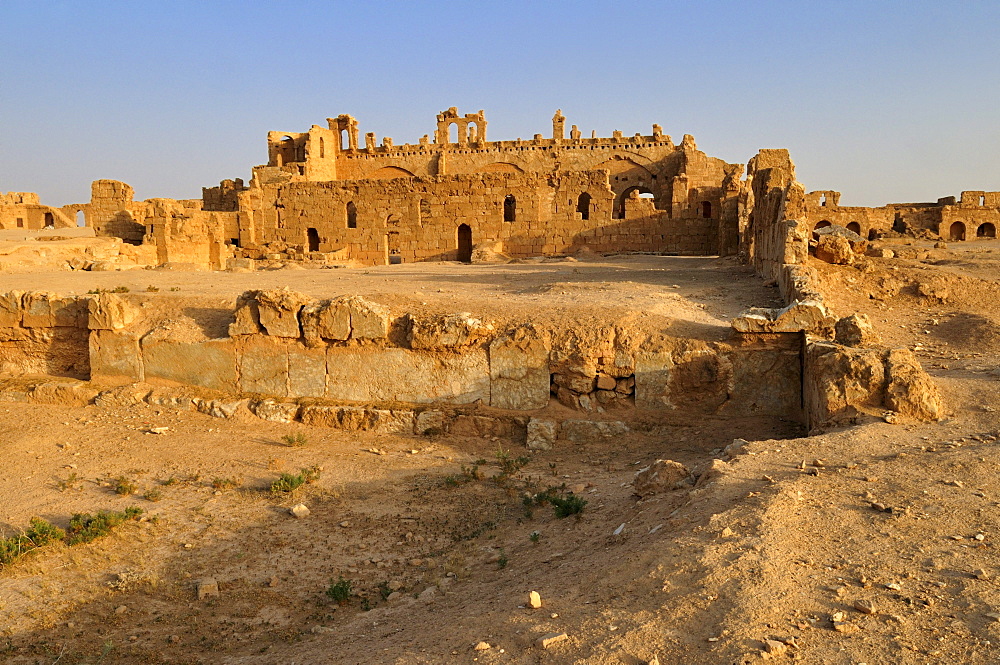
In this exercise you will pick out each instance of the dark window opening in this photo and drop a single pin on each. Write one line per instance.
(235, 242)
(957, 231)
(986, 230)
(854, 226)
(583, 206)
(706, 209)
(509, 209)
(312, 236)
(352, 215)
(20, 222)
(49, 220)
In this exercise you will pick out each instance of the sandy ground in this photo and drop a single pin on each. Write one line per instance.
(775, 545)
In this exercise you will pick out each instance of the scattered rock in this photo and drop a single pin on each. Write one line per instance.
(547, 640)
(856, 330)
(834, 249)
(864, 606)
(534, 600)
(541, 434)
(208, 588)
(661, 476)
(299, 510)
(482, 646)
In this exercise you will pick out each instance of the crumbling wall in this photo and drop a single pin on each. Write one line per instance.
(43, 334)
(22, 210)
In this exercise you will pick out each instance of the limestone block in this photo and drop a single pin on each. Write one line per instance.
(170, 398)
(69, 312)
(430, 422)
(219, 408)
(834, 249)
(279, 311)
(766, 379)
(363, 374)
(247, 315)
(447, 331)
(488, 427)
(10, 309)
(542, 434)
(107, 311)
(519, 369)
(262, 364)
(592, 431)
(115, 357)
(306, 371)
(36, 308)
(369, 320)
(68, 393)
(210, 364)
(841, 382)
(652, 380)
(123, 396)
(856, 330)
(663, 475)
(278, 412)
(330, 319)
(910, 391)
(800, 316)
(382, 421)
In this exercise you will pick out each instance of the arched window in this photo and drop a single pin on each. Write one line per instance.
(352, 215)
(583, 206)
(957, 231)
(706, 209)
(854, 226)
(986, 230)
(510, 208)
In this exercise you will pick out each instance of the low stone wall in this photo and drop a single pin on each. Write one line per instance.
(349, 351)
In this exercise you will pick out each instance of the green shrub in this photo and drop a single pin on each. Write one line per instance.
(567, 505)
(339, 591)
(295, 440)
(289, 482)
(125, 486)
(85, 527)
(153, 495)
(39, 534)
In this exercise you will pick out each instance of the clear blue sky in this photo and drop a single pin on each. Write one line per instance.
(884, 101)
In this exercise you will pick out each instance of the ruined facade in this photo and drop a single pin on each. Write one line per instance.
(22, 210)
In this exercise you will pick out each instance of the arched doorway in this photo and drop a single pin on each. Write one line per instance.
(49, 220)
(957, 231)
(464, 243)
(644, 193)
(986, 230)
(822, 224)
(352, 215)
(312, 236)
(854, 226)
(81, 218)
(583, 206)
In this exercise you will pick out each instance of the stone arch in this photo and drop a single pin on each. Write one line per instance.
(500, 167)
(352, 215)
(986, 230)
(285, 152)
(854, 226)
(625, 174)
(583, 206)
(510, 208)
(464, 243)
(388, 173)
(619, 206)
(81, 218)
(956, 231)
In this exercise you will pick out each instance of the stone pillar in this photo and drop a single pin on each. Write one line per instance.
(559, 125)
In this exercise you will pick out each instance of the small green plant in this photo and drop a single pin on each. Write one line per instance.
(120, 289)
(502, 561)
(384, 590)
(172, 480)
(552, 469)
(339, 591)
(125, 486)
(510, 465)
(175, 288)
(535, 536)
(39, 534)
(295, 440)
(85, 527)
(366, 605)
(224, 483)
(289, 482)
(152, 289)
(153, 495)
(69, 483)
(567, 505)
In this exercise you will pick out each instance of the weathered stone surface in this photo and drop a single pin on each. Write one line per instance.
(447, 331)
(220, 408)
(369, 320)
(550, 639)
(37, 310)
(115, 357)
(519, 369)
(263, 366)
(856, 330)
(210, 364)
(592, 431)
(330, 319)
(488, 427)
(299, 511)
(126, 395)
(910, 391)
(805, 316)
(171, 398)
(652, 380)
(765, 378)
(834, 249)
(247, 315)
(364, 374)
(841, 382)
(382, 421)
(542, 434)
(279, 311)
(107, 311)
(10, 309)
(430, 422)
(208, 588)
(663, 475)
(306, 371)
(66, 392)
(278, 412)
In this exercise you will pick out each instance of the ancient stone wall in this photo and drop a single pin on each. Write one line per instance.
(21, 210)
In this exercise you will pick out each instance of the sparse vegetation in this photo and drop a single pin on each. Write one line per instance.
(225, 483)
(295, 440)
(535, 536)
(289, 482)
(124, 486)
(117, 289)
(567, 505)
(339, 591)
(68, 483)
(39, 534)
(153, 495)
(152, 289)
(85, 527)
(502, 561)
